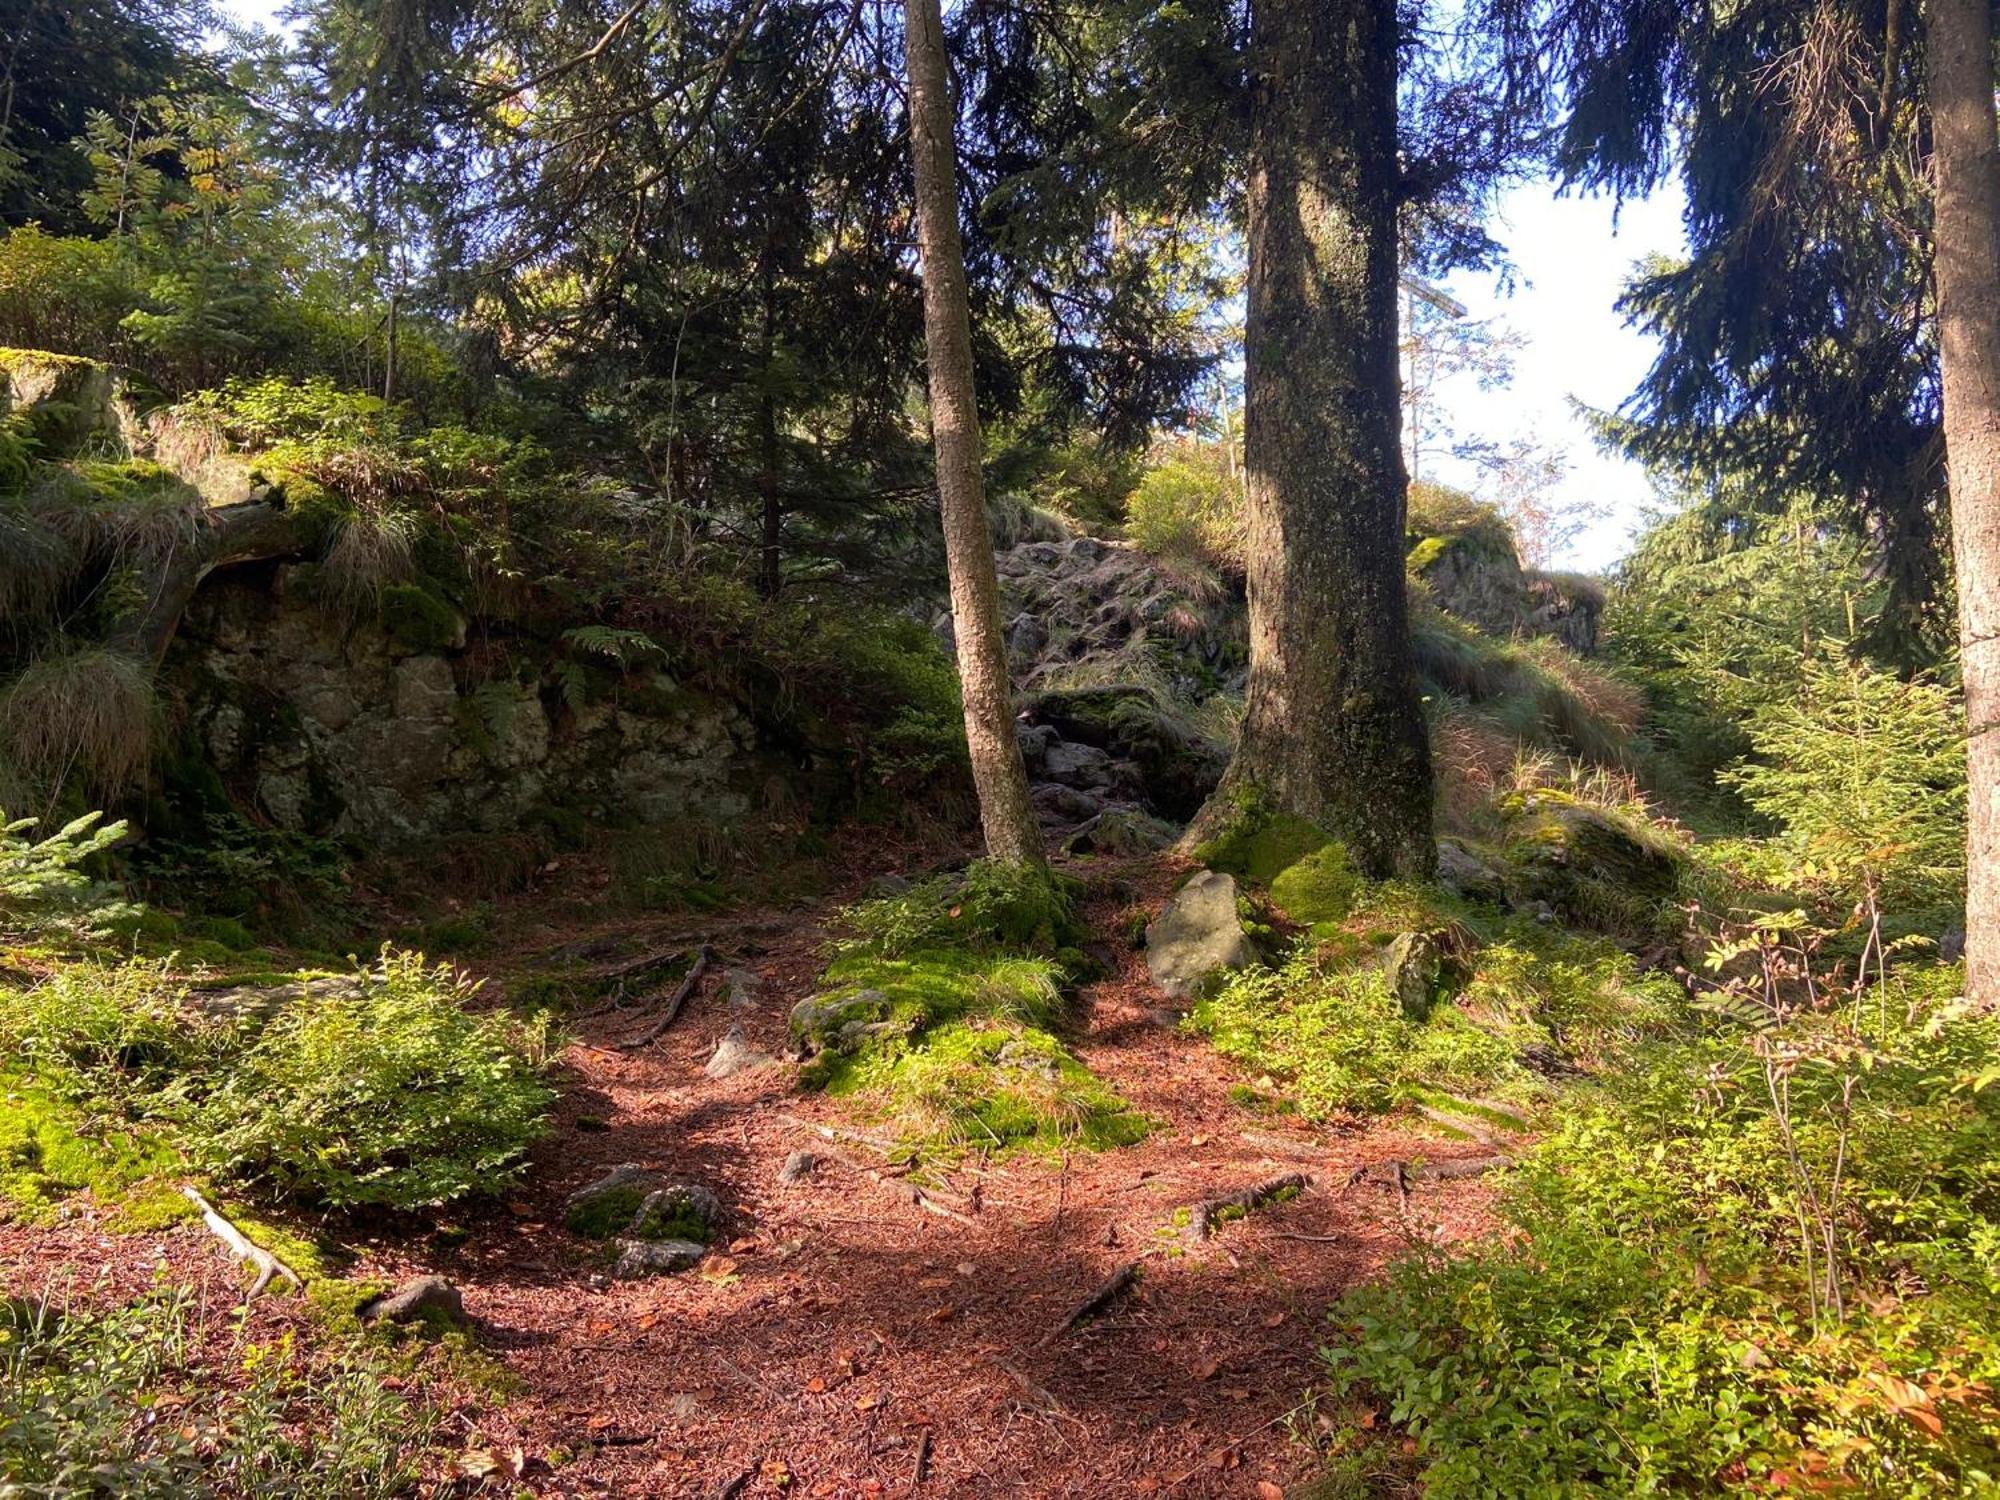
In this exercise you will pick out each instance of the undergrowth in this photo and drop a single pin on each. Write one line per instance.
(1659, 1319)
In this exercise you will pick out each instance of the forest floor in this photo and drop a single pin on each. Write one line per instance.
(847, 1339)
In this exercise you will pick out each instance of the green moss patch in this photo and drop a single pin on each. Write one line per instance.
(51, 1150)
(994, 1086)
(604, 1214)
(1321, 887)
(1258, 843)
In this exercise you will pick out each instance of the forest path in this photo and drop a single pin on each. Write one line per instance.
(843, 1322)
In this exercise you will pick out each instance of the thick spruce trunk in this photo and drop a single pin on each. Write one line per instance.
(1005, 813)
(1967, 163)
(1333, 729)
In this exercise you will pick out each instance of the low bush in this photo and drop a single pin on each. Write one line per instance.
(398, 1096)
(1187, 510)
(393, 1095)
(1765, 1260)
(45, 890)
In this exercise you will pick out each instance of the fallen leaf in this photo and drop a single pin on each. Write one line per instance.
(519, 1209)
(718, 1268)
(1273, 1320)
(1269, 1491)
(776, 1474)
(647, 1320)
(1197, 1140)
(816, 1385)
(868, 1402)
(1236, 1393)
(1205, 1369)
(742, 1247)
(1152, 1484)
(943, 1314)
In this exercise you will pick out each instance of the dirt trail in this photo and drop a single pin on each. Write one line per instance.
(848, 1322)
(854, 1321)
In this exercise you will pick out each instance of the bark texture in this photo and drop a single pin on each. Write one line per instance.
(1967, 163)
(1005, 813)
(1333, 729)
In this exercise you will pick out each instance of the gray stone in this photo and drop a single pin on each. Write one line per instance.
(742, 989)
(1026, 636)
(735, 1055)
(1035, 740)
(638, 1259)
(1198, 938)
(413, 1299)
(1122, 831)
(1414, 967)
(1055, 803)
(798, 1167)
(1464, 873)
(1077, 765)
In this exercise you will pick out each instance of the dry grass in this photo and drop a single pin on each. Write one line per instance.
(371, 550)
(88, 712)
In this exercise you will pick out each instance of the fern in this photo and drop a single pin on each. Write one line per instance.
(628, 648)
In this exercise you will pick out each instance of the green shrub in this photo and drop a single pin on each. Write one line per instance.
(1658, 1321)
(113, 1035)
(1187, 510)
(397, 1096)
(991, 906)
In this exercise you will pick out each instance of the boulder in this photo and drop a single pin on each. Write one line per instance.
(1465, 874)
(839, 1022)
(1586, 865)
(1198, 938)
(641, 1258)
(1077, 765)
(1415, 969)
(1122, 831)
(743, 989)
(733, 1055)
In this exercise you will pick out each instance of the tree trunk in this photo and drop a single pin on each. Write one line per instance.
(1005, 813)
(770, 572)
(1968, 290)
(1333, 729)
(249, 531)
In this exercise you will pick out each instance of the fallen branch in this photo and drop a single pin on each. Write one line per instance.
(674, 1003)
(242, 1246)
(922, 1469)
(1114, 1286)
(1202, 1216)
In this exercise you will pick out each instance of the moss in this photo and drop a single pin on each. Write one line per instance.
(1592, 867)
(987, 1085)
(1318, 888)
(418, 618)
(51, 1150)
(1258, 843)
(675, 1217)
(602, 1215)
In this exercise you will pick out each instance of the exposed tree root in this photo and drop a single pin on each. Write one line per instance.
(242, 1246)
(1112, 1288)
(1399, 1174)
(675, 1001)
(1202, 1216)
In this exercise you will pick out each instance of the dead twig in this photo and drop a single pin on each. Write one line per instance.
(921, 1470)
(1113, 1287)
(674, 1002)
(1202, 1216)
(242, 1246)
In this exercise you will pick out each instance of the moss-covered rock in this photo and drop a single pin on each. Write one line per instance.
(1320, 887)
(1588, 866)
(62, 401)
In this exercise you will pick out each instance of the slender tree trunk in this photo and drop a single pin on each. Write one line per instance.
(1966, 146)
(770, 573)
(1005, 813)
(1333, 729)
